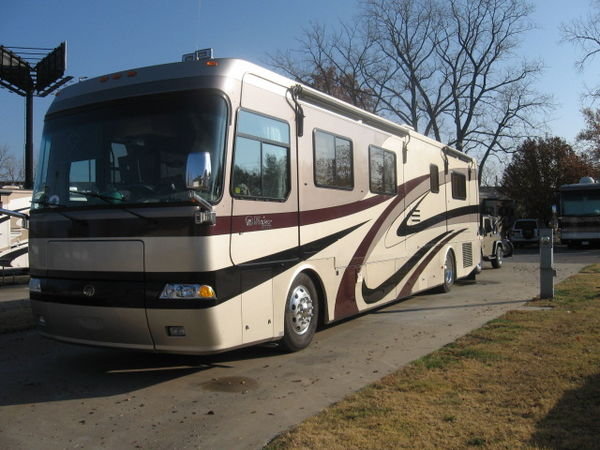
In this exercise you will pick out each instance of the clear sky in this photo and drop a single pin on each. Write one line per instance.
(111, 35)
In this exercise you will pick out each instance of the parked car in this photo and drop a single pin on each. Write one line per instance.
(525, 231)
(493, 248)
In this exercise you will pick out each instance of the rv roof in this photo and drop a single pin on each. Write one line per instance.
(580, 187)
(186, 75)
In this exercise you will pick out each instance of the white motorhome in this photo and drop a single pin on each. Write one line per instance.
(14, 236)
(211, 204)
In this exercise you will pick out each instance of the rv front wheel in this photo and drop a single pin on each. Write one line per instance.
(301, 314)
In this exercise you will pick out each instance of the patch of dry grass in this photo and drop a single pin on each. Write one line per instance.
(530, 379)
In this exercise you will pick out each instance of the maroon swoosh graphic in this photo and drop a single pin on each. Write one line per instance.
(345, 302)
(407, 288)
(322, 214)
(257, 222)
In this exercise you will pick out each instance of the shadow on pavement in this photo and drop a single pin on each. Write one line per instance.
(62, 371)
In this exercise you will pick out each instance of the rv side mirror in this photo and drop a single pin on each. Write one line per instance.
(198, 171)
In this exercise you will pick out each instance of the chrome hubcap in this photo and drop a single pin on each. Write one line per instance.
(300, 310)
(449, 270)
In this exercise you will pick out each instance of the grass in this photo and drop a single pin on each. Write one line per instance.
(529, 379)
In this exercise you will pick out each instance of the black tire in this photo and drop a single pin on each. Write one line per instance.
(479, 266)
(449, 272)
(497, 261)
(301, 314)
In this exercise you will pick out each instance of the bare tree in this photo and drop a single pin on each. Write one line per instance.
(584, 33)
(11, 170)
(332, 63)
(447, 68)
(590, 135)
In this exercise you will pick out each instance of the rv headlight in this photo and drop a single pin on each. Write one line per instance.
(191, 291)
(35, 285)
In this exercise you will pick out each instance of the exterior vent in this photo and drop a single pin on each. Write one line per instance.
(467, 251)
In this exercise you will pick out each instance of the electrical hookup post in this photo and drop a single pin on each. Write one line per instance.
(547, 272)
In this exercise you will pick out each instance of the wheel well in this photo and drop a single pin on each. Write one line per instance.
(451, 251)
(453, 255)
(316, 279)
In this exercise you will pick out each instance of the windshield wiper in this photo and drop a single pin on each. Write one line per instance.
(58, 205)
(106, 198)
(109, 199)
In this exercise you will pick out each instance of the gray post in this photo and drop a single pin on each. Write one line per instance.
(547, 272)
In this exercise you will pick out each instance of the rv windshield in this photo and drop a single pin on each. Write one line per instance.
(581, 203)
(131, 151)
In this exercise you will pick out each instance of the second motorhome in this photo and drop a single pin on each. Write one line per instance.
(579, 219)
(206, 205)
(13, 232)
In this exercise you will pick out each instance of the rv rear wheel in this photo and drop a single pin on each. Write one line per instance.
(301, 314)
(449, 272)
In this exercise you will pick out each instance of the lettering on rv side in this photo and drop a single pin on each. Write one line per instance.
(258, 221)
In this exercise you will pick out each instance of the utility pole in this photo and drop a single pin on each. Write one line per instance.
(29, 72)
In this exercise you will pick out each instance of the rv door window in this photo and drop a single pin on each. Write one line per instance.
(261, 168)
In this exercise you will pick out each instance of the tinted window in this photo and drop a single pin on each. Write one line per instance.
(459, 186)
(333, 161)
(434, 178)
(131, 151)
(263, 128)
(525, 225)
(580, 203)
(261, 168)
(382, 170)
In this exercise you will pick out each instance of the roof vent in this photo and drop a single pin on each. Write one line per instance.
(587, 180)
(198, 55)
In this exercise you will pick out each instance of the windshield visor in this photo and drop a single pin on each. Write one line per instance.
(132, 151)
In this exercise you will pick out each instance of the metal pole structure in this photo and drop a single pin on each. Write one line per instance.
(547, 272)
(28, 140)
(28, 75)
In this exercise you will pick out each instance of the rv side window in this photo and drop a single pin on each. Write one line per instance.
(382, 170)
(333, 161)
(261, 168)
(459, 186)
(434, 178)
